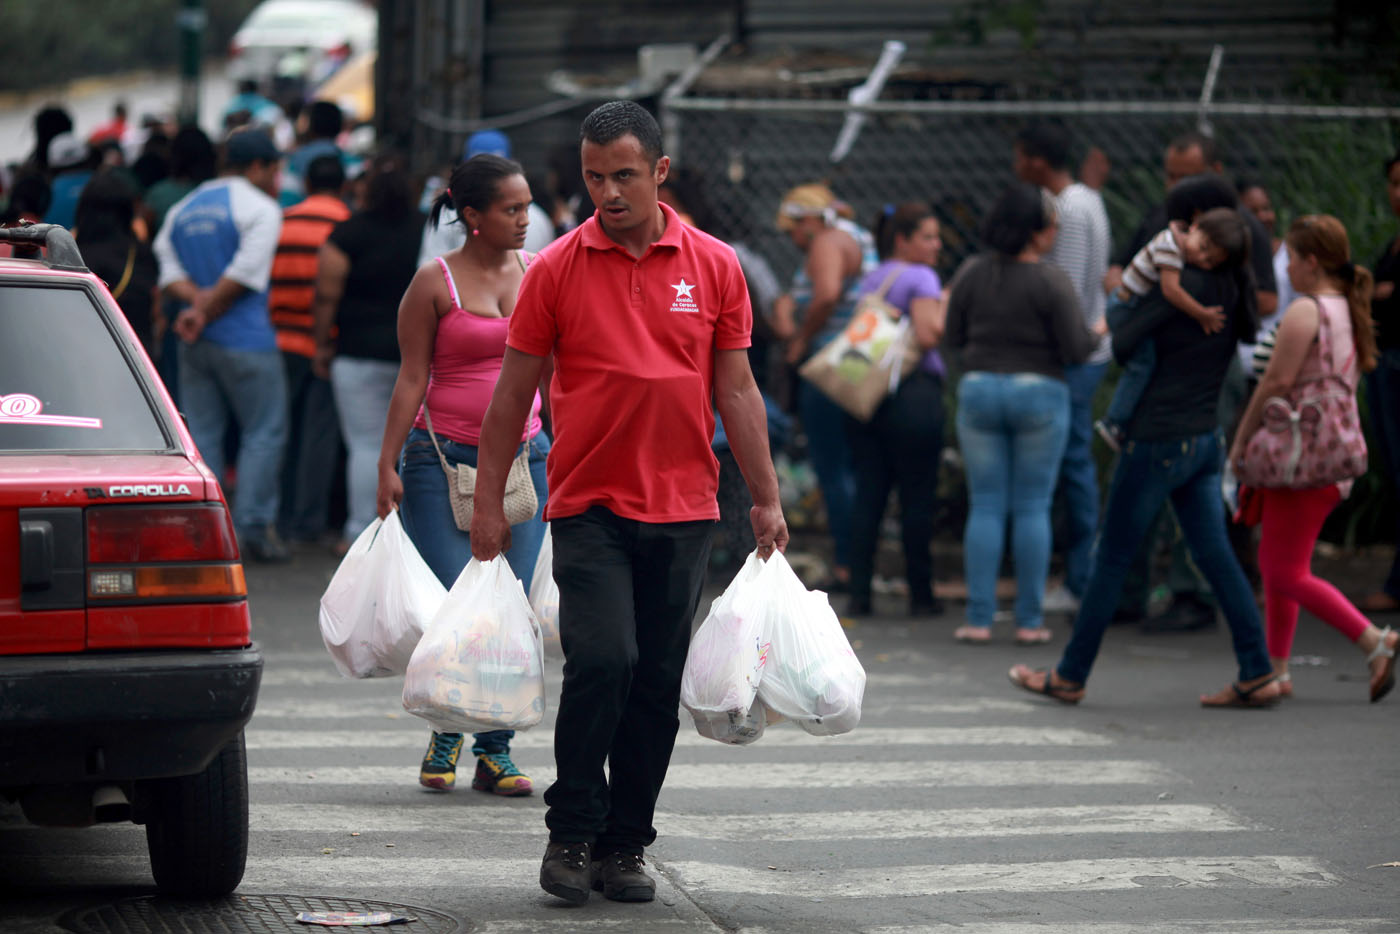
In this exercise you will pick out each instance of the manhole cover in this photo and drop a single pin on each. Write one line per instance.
(242, 914)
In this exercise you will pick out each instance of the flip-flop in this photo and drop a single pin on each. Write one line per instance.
(1037, 635)
(1387, 672)
(1064, 695)
(1236, 696)
(976, 635)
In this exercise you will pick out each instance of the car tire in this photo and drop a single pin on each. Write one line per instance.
(197, 827)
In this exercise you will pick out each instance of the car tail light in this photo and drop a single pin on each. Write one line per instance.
(162, 553)
(340, 51)
(234, 49)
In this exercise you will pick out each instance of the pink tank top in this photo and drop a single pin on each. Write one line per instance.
(467, 355)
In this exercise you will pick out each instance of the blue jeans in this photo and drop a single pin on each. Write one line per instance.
(1012, 428)
(250, 386)
(1079, 479)
(427, 518)
(362, 388)
(1148, 473)
(824, 423)
(1383, 397)
(1132, 383)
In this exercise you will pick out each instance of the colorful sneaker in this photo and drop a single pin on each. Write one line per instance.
(439, 769)
(497, 774)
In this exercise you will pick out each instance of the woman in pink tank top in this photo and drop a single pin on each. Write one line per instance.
(1336, 294)
(452, 338)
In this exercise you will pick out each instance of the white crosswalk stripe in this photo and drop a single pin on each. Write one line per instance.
(896, 824)
(406, 738)
(785, 775)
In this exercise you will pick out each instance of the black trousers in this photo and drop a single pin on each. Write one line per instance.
(628, 592)
(900, 446)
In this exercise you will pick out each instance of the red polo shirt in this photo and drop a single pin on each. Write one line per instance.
(634, 344)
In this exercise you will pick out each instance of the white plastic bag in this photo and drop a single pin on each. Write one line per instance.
(410, 596)
(544, 596)
(726, 660)
(480, 663)
(349, 605)
(812, 675)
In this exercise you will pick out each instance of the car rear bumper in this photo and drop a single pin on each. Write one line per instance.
(121, 716)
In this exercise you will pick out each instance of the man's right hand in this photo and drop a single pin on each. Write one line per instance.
(189, 324)
(769, 529)
(490, 532)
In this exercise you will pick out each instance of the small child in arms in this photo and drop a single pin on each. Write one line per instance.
(1215, 239)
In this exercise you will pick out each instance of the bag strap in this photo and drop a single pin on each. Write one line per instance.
(126, 273)
(888, 284)
(523, 259)
(1325, 347)
(428, 420)
(451, 289)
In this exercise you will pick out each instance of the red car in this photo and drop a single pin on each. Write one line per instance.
(127, 671)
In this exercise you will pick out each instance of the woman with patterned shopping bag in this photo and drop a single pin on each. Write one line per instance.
(1300, 442)
(452, 337)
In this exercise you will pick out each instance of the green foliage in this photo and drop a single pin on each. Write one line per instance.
(54, 42)
(973, 23)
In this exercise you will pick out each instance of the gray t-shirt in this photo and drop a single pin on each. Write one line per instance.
(1006, 316)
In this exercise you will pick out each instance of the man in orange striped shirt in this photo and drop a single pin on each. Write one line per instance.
(313, 437)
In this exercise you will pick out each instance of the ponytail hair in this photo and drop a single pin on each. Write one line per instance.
(473, 184)
(1227, 229)
(1323, 236)
(898, 221)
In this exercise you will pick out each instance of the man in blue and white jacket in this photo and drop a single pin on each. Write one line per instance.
(215, 250)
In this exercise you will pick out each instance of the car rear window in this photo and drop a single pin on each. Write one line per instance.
(65, 384)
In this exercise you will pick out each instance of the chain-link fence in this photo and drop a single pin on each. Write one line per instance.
(747, 153)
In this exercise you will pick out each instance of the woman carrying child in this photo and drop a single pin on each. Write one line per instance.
(1194, 236)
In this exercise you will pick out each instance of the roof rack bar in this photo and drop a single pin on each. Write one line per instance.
(62, 251)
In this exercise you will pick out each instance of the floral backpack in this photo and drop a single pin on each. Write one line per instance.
(1312, 437)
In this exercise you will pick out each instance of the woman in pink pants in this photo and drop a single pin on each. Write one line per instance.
(1335, 289)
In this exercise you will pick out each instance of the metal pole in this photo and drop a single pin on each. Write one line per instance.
(1208, 91)
(864, 94)
(670, 120)
(191, 21)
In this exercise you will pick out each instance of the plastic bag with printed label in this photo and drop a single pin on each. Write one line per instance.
(544, 596)
(812, 676)
(410, 596)
(726, 660)
(480, 663)
(349, 606)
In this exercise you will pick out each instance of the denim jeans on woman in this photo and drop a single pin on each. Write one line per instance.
(1012, 429)
(427, 518)
(1186, 470)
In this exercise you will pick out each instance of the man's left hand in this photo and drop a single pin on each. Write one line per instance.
(769, 529)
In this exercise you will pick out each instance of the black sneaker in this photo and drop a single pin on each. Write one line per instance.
(619, 876)
(1186, 613)
(262, 547)
(930, 607)
(566, 872)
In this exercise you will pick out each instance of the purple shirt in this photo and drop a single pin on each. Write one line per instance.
(915, 281)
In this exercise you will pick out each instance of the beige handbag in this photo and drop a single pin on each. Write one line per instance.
(521, 504)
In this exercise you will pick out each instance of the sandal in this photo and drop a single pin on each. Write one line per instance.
(1384, 679)
(977, 635)
(1285, 685)
(1037, 635)
(1021, 676)
(1236, 696)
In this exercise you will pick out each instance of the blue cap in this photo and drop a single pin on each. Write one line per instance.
(487, 141)
(245, 147)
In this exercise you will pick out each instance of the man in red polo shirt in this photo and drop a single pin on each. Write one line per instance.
(648, 321)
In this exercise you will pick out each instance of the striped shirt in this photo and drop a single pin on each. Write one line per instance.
(1081, 251)
(304, 228)
(1161, 251)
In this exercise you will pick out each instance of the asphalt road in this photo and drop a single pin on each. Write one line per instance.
(959, 804)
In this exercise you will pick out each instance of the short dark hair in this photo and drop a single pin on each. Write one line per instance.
(1020, 213)
(474, 184)
(1392, 162)
(616, 119)
(325, 173)
(30, 194)
(1196, 194)
(1248, 183)
(898, 221)
(1048, 141)
(192, 155)
(1193, 139)
(105, 209)
(388, 188)
(324, 120)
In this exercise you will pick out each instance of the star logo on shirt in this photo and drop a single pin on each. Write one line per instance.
(685, 302)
